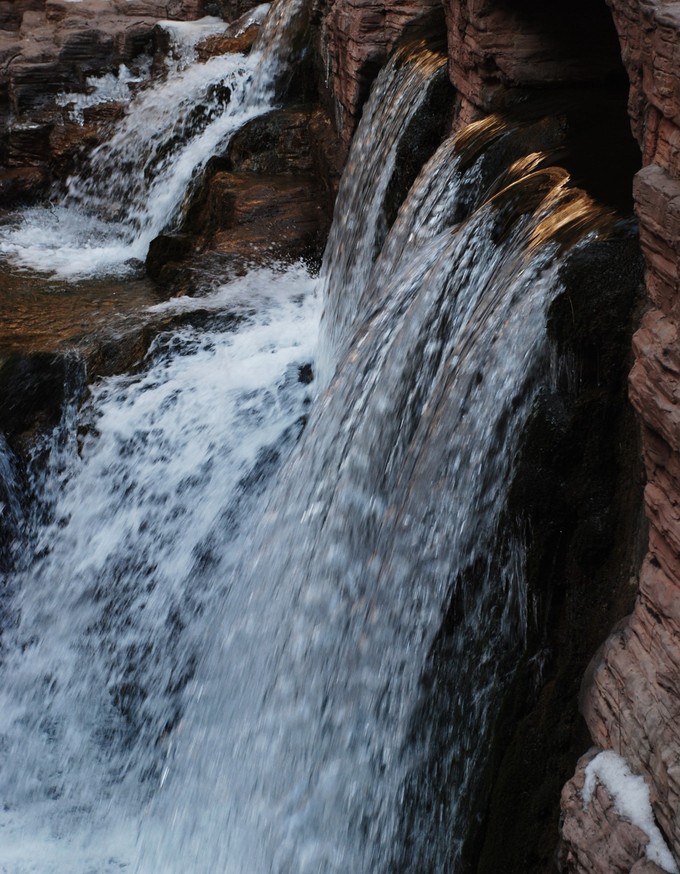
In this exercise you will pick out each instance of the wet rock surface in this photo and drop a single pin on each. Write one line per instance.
(269, 198)
(49, 49)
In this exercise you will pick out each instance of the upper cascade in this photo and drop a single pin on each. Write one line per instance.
(133, 186)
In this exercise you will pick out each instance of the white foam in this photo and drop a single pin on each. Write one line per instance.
(161, 479)
(136, 174)
(630, 795)
(109, 88)
(132, 186)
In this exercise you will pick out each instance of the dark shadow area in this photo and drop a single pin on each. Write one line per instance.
(598, 148)
(581, 31)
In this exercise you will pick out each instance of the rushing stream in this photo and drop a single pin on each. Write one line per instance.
(222, 604)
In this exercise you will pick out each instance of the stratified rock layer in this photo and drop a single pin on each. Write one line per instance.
(631, 700)
(356, 39)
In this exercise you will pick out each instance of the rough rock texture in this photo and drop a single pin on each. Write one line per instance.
(598, 839)
(498, 49)
(356, 36)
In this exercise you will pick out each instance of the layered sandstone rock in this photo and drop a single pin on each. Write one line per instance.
(497, 47)
(631, 698)
(355, 40)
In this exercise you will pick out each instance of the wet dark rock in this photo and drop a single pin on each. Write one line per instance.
(167, 249)
(268, 198)
(29, 143)
(19, 185)
(34, 86)
(278, 142)
(32, 391)
(251, 214)
(89, 50)
(230, 10)
(305, 374)
(578, 489)
(70, 139)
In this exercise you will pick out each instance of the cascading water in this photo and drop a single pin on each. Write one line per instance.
(299, 755)
(145, 491)
(132, 186)
(359, 226)
(220, 634)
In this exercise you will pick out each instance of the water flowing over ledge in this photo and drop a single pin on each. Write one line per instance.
(219, 653)
(132, 187)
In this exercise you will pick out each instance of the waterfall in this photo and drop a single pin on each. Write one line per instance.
(359, 224)
(133, 185)
(299, 755)
(223, 629)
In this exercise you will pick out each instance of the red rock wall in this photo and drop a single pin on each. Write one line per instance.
(356, 38)
(632, 704)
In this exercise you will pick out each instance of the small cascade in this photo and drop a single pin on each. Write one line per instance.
(360, 225)
(132, 187)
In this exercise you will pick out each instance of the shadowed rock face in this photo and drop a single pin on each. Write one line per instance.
(632, 694)
(497, 49)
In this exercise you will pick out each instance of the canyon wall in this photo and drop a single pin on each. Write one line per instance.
(631, 697)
